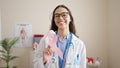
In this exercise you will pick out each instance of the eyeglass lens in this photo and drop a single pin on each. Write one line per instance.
(63, 14)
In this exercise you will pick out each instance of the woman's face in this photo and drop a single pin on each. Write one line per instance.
(62, 18)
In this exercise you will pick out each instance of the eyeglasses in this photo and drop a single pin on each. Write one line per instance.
(63, 14)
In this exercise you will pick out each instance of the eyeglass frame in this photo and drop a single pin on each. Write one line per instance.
(63, 15)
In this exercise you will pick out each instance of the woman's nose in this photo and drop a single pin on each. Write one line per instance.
(60, 17)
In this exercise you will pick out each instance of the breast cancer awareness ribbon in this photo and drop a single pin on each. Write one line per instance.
(51, 40)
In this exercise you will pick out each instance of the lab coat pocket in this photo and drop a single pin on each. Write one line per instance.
(76, 61)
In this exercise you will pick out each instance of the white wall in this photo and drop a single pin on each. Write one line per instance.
(0, 27)
(0, 23)
(90, 19)
(114, 33)
(0, 33)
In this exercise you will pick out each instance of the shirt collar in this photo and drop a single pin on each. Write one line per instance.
(66, 37)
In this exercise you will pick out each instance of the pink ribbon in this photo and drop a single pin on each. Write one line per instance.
(51, 40)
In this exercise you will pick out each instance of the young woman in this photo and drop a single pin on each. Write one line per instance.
(73, 49)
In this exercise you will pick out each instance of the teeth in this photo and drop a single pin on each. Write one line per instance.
(60, 22)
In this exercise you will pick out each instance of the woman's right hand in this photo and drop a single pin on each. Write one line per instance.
(47, 52)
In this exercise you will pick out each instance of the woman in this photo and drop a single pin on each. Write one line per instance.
(73, 49)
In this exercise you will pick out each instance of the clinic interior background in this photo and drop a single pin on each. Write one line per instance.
(97, 23)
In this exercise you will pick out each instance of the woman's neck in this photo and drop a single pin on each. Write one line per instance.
(63, 32)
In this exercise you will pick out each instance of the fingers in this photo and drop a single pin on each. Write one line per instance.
(48, 51)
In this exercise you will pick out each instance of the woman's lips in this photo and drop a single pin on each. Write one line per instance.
(60, 22)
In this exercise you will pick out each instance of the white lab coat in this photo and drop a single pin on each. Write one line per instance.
(76, 57)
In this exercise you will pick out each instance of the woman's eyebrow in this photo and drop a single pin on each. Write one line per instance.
(61, 13)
